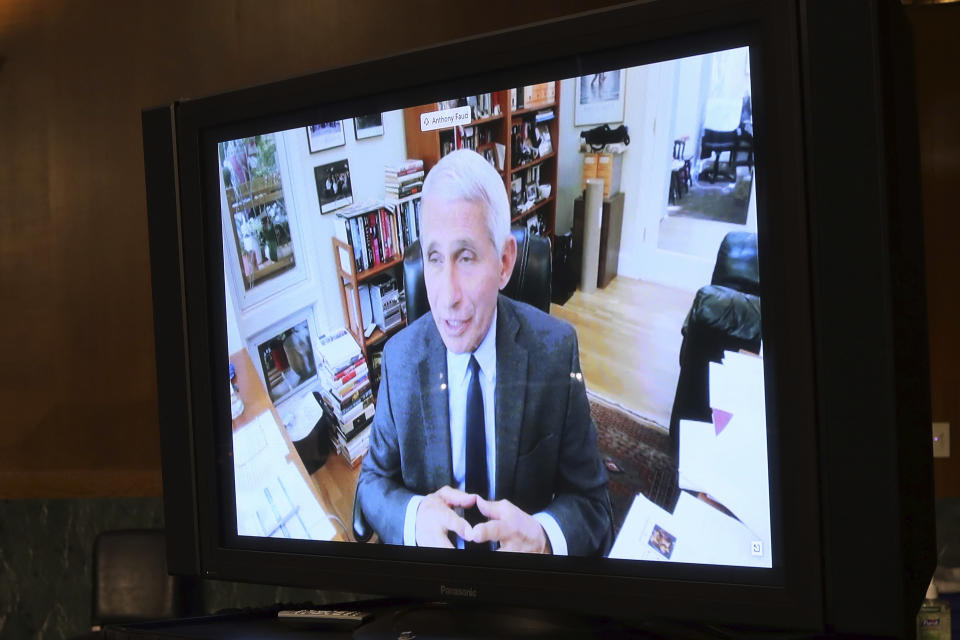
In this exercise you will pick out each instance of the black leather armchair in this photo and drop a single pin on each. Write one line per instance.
(530, 283)
(131, 583)
(724, 316)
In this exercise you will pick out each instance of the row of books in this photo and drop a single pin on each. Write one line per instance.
(371, 229)
(380, 303)
(346, 394)
(533, 95)
(458, 138)
(483, 105)
(408, 214)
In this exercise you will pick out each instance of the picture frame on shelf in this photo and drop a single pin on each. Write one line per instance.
(533, 193)
(600, 98)
(325, 135)
(368, 126)
(334, 187)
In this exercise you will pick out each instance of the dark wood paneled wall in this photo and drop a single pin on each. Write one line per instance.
(77, 383)
(938, 104)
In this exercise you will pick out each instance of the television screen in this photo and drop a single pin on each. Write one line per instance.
(653, 446)
(486, 321)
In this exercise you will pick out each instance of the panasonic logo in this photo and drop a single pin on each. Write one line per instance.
(456, 591)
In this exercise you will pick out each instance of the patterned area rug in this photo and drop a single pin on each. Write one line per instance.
(636, 453)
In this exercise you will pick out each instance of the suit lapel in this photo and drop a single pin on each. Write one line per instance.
(511, 387)
(434, 406)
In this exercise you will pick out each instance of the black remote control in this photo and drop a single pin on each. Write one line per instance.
(323, 618)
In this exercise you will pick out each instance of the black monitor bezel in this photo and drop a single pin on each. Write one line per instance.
(662, 30)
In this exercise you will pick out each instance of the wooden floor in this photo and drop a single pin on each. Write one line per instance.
(630, 342)
(337, 482)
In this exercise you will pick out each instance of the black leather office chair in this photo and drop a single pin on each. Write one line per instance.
(530, 283)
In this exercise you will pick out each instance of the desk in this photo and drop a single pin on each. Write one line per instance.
(332, 485)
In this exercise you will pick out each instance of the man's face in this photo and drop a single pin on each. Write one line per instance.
(462, 270)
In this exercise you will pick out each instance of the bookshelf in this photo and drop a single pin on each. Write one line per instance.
(503, 128)
(349, 281)
(369, 242)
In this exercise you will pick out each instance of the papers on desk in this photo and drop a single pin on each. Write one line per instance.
(273, 497)
(730, 464)
(695, 532)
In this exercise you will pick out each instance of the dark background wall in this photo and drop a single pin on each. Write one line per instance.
(78, 415)
(77, 381)
(938, 103)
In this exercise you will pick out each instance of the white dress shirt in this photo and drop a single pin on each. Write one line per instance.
(458, 379)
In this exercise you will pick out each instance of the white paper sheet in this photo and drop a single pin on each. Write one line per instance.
(732, 466)
(273, 497)
(694, 533)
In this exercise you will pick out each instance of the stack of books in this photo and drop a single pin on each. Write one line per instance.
(385, 303)
(403, 180)
(346, 394)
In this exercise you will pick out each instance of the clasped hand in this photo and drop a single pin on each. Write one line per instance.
(506, 523)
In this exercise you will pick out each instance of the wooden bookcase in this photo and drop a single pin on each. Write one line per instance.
(349, 281)
(427, 145)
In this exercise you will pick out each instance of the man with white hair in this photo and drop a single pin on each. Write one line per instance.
(482, 437)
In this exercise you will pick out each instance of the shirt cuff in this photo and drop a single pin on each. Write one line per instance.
(410, 522)
(557, 542)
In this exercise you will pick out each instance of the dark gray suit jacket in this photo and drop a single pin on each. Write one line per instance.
(546, 443)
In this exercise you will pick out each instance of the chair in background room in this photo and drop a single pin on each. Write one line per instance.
(721, 126)
(530, 283)
(724, 316)
(680, 178)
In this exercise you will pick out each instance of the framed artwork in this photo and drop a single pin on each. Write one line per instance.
(261, 237)
(325, 135)
(285, 357)
(334, 187)
(369, 126)
(600, 98)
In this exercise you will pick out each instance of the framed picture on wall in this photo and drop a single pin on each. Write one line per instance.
(334, 187)
(600, 98)
(262, 240)
(285, 356)
(368, 126)
(325, 135)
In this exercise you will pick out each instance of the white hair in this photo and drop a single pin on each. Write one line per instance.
(466, 175)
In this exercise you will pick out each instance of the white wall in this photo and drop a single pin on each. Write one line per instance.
(317, 288)
(663, 102)
(688, 118)
(646, 161)
(366, 158)
(569, 159)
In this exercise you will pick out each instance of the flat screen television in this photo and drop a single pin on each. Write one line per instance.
(690, 168)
